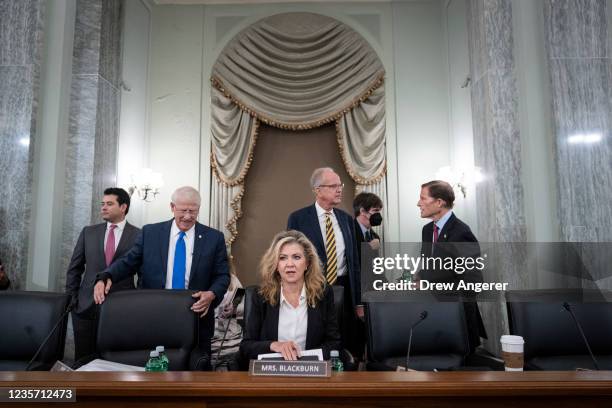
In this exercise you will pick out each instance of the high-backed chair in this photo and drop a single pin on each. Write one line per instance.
(440, 341)
(132, 323)
(26, 318)
(552, 340)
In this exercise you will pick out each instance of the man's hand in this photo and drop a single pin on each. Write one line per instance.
(288, 349)
(359, 311)
(101, 290)
(374, 244)
(205, 298)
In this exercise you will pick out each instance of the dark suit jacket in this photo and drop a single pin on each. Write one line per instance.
(149, 256)
(455, 240)
(262, 327)
(307, 222)
(360, 238)
(88, 260)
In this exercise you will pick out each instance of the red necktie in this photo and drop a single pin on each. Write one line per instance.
(109, 250)
(435, 233)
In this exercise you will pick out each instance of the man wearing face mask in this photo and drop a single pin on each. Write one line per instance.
(367, 208)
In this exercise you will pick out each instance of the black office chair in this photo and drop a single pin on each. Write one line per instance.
(439, 342)
(552, 340)
(26, 318)
(132, 323)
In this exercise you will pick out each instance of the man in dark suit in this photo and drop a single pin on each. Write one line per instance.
(367, 208)
(332, 233)
(448, 237)
(97, 247)
(177, 254)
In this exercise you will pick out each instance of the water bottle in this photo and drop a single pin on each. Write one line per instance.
(336, 363)
(163, 357)
(154, 363)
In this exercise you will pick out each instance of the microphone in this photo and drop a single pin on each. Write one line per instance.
(422, 317)
(44, 342)
(567, 307)
(235, 302)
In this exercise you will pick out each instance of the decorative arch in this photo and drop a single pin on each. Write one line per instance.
(294, 71)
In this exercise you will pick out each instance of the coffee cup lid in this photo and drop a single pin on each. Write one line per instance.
(508, 339)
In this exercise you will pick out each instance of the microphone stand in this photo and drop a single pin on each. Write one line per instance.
(567, 307)
(422, 317)
(44, 342)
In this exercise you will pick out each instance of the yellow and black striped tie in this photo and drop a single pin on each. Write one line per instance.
(331, 272)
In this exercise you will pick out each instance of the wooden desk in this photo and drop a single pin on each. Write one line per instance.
(349, 389)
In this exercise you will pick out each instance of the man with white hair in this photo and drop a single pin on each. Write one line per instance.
(177, 254)
(331, 231)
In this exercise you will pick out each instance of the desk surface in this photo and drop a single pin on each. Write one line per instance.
(345, 389)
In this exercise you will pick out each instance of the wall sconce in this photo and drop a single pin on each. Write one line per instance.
(147, 183)
(461, 177)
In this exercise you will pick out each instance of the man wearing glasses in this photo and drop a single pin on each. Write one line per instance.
(178, 254)
(331, 231)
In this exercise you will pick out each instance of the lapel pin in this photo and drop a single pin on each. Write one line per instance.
(199, 236)
(444, 236)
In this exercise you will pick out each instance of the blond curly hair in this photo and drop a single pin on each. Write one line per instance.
(270, 277)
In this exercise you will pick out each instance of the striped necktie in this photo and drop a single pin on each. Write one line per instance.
(331, 271)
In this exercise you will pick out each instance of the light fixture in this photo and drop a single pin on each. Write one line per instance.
(584, 138)
(460, 177)
(24, 141)
(147, 183)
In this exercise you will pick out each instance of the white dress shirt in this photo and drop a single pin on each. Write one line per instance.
(339, 237)
(293, 321)
(118, 232)
(189, 240)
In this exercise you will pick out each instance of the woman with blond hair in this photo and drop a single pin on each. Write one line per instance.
(293, 310)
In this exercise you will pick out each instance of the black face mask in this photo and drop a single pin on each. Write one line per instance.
(375, 219)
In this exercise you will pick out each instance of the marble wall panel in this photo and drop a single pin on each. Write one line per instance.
(107, 132)
(578, 44)
(110, 42)
(497, 150)
(576, 28)
(21, 33)
(86, 53)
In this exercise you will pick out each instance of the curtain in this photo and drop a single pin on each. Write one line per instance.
(294, 71)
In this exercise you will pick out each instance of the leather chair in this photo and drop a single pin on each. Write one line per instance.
(552, 340)
(438, 342)
(134, 322)
(26, 318)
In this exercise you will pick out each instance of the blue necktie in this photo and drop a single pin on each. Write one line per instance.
(180, 261)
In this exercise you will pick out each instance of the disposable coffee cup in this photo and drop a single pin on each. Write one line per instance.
(512, 352)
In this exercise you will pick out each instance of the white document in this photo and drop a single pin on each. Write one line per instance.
(314, 352)
(105, 365)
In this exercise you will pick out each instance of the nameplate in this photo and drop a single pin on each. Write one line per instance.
(286, 368)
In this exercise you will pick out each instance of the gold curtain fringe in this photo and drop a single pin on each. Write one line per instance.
(232, 223)
(376, 83)
(245, 169)
(347, 165)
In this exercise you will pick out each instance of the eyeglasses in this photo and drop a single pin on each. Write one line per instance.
(185, 212)
(333, 186)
